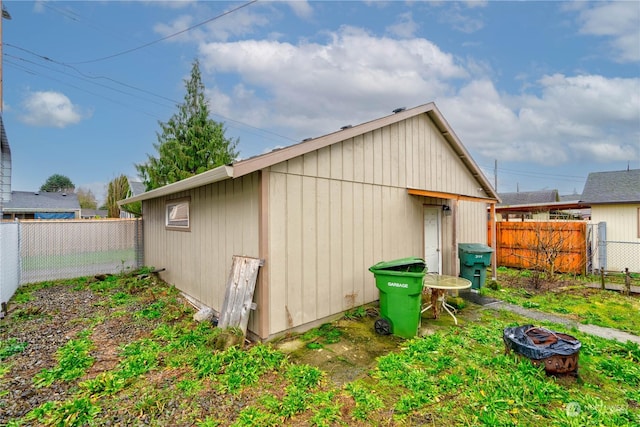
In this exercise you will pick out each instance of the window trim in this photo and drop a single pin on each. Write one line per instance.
(175, 202)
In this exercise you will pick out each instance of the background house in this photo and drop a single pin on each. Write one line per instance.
(93, 213)
(320, 213)
(5, 167)
(542, 205)
(41, 205)
(614, 198)
(135, 189)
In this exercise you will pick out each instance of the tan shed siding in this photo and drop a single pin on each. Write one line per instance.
(336, 211)
(224, 222)
(324, 239)
(473, 221)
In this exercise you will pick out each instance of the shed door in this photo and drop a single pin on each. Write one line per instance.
(432, 239)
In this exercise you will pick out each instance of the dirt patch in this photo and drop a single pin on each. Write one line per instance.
(355, 352)
(351, 357)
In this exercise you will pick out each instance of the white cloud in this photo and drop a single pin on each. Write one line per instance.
(461, 20)
(301, 8)
(173, 4)
(573, 119)
(405, 26)
(241, 22)
(38, 6)
(50, 108)
(312, 88)
(620, 21)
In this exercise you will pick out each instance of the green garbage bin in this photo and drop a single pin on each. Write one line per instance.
(400, 284)
(474, 260)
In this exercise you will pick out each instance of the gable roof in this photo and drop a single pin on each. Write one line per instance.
(612, 187)
(29, 201)
(529, 197)
(247, 166)
(136, 187)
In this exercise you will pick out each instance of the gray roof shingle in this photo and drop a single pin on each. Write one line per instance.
(529, 197)
(29, 201)
(136, 187)
(612, 187)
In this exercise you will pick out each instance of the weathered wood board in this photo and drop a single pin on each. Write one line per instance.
(238, 297)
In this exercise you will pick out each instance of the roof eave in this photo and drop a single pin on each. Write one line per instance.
(449, 135)
(209, 177)
(33, 210)
(253, 164)
(263, 161)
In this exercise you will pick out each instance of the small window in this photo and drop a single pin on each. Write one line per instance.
(177, 214)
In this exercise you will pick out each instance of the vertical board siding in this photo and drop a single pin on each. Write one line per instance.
(331, 214)
(623, 234)
(224, 222)
(622, 221)
(321, 267)
(336, 211)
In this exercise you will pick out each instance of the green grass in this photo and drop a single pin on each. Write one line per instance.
(38, 262)
(73, 361)
(598, 307)
(455, 376)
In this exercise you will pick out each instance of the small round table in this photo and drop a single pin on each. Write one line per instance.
(439, 284)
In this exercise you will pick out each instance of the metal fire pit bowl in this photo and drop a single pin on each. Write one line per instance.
(557, 352)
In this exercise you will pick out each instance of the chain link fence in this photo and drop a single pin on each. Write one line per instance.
(51, 250)
(608, 255)
(619, 256)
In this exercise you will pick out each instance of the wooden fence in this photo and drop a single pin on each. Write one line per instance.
(560, 245)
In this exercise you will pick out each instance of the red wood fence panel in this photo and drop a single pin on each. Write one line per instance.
(542, 245)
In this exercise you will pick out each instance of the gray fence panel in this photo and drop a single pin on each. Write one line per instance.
(52, 250)
(9, 261)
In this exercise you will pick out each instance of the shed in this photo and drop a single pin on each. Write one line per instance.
(320, 213)
(614, 197)
(543, 205)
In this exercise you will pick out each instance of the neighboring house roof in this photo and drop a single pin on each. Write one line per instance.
(571, 197)
(136, 187)
(247, 166)
(529, 197)
(92, 213)
(29, 201)
(612, 187)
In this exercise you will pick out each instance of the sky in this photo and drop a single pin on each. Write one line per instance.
(547, 91)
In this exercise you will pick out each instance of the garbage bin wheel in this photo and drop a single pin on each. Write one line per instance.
(382, 326)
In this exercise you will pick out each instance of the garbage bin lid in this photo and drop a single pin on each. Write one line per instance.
(476, 248)
(397, 264)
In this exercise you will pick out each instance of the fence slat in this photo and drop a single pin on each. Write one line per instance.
(537, 245)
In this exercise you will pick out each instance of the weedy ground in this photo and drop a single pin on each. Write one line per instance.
(567, 296)
(124, 350)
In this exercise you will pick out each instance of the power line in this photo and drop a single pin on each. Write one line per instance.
(75, 17)
(573, 178)
(18, 66)
(166, 37)
(88, 79)
(87, 76)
